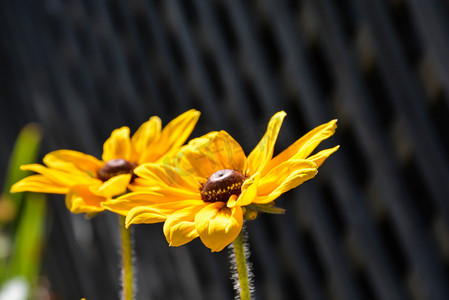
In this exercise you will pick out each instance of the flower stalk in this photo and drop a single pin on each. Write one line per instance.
(127, 261)
(243, 279)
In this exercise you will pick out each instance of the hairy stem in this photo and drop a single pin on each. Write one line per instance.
(127, 261)
(242, 268)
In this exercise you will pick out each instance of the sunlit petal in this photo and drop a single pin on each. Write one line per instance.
(179, 228)
(278, 175)
(164, 200)
(210, 153)
(249, 192)
(272, 186)
(156, 212)
(218, 225)
(118, 145)
(263, 152)
(112, 187)
(145, 136)
(80, 199)
(144, 214)
(73, 161)
(166, 174)
(173, 136)
(302, 148)
(39, 184)
(60, 177)
(321, 156)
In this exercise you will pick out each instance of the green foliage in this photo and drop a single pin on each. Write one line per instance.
(22, 217)
(25, 152)
(25, 260)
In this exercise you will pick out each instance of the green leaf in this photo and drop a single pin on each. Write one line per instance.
(25, 152)
(26, 257)
(269, 208)
(22, 238)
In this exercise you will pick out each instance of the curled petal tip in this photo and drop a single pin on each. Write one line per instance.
(128, 222)
(334, 123)
(193, 112)
(282, 113)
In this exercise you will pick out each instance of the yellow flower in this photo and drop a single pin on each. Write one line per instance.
(206, 190)
(87, 181)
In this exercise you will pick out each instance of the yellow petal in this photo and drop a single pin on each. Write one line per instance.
(61, 177)
(39, 184)
(167, 174)
(210, 153)
(139, 184)
(73, 161)
(276, 176)
(80, 200)
(118, 145)
(112, 187)
(321, 156)
(283, 178)
(173, 135)
(179, 228)
(145, 136)
(263, 152)
(218, 225)
(164, 201)
(157, 212)
(194, 159)
(302, 148)
(144, 214)
(249, 192)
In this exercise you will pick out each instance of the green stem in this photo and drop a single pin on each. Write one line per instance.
(127, 261)
(241, 267)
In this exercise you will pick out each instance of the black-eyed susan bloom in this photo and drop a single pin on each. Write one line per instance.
(88, 181)
(206, 191)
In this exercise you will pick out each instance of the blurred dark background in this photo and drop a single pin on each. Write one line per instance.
(374, 224)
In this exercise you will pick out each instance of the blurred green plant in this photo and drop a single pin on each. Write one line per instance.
(22, 221)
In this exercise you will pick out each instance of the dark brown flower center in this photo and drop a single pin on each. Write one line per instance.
(221, 185)
(115, 167)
